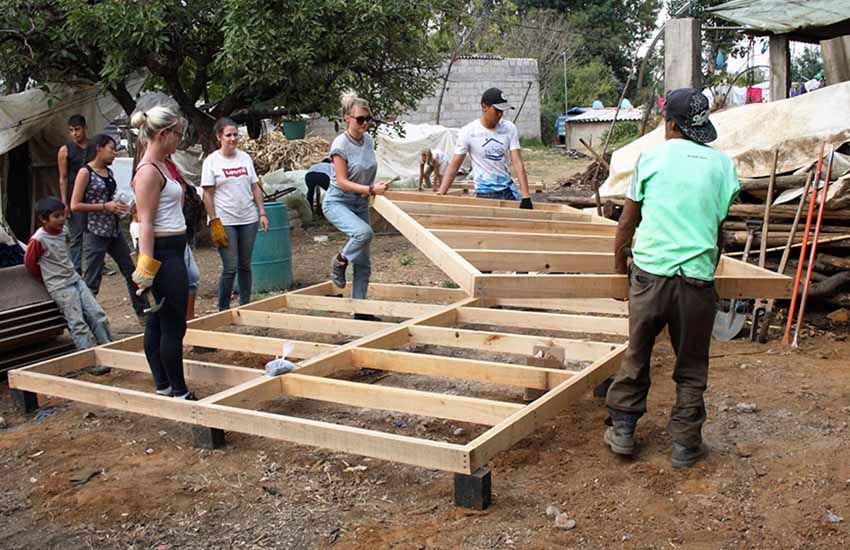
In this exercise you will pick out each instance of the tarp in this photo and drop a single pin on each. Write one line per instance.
(783, 16)
(750, 133)
(398, 157)
(42, 119)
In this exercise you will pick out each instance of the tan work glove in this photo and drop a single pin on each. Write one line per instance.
(218, 235)
(146, 270)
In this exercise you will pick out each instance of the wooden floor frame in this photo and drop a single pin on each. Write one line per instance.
(426, 316)
(482, 244)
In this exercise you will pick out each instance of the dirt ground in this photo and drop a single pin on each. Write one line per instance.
(778, 475)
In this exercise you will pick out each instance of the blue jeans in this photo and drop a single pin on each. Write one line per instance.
(165, 329)
(96, 249)
(505, 194)
(236, 261)
(192, 271)
(87, 321)
(349, 212)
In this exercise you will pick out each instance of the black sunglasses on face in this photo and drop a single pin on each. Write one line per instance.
(363, 119)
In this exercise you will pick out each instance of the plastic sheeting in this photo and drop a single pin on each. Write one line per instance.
(398, 157)
(750, 133)
(782, 16)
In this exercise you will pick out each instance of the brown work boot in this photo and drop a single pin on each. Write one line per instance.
(685, 457)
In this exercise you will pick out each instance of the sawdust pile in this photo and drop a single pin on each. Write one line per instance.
(273, 151)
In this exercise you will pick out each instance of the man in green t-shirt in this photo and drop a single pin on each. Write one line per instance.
(678, 198)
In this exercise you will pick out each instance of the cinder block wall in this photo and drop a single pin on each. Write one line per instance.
(468, 80)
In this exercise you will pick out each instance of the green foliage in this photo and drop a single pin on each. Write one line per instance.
(531, 143)
(239, 54)
(448, 284)
(624, 133)
(807, 65)
(406, 260)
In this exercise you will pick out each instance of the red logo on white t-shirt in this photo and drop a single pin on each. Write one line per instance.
(235, 172)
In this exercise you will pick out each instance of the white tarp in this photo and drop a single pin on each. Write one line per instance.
(398, 157)
(42, 119)
(750, 133)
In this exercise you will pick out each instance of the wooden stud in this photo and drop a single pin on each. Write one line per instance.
(537, 261)
(253, 344)
(519, 225)
(307, 323)
(415, 208)
(543, 321)
(503, 241)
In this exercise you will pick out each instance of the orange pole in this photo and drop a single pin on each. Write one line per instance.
(811, 266)
(792, 309)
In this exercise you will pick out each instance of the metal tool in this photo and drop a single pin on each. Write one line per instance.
(156, 305)
(272, 197)
(760, 304)
(729, 323)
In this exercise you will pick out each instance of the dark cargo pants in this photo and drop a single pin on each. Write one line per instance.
(687, 306)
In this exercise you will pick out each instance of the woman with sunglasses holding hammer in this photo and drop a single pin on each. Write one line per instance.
(346, 203)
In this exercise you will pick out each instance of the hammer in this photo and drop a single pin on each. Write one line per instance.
(156, 305)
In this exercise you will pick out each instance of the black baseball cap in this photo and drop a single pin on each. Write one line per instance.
(496, 98)
(690, 108)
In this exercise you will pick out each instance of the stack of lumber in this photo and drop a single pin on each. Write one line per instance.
(272, 151)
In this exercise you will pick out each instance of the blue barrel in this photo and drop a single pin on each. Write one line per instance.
(271, 262)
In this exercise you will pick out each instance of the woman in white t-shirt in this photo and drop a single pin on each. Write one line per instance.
(234, 204)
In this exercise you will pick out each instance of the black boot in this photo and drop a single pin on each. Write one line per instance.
(685, 457)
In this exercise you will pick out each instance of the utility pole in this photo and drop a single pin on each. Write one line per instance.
(564, 53)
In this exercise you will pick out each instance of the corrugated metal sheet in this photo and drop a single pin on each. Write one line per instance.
(783, 16)
(606, 115)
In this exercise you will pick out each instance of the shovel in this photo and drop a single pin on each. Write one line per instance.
(728, 324)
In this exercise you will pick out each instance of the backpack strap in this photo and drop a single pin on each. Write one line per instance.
(164, 179)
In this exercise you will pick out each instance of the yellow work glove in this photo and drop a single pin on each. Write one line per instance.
(218, 235)
(146, 270)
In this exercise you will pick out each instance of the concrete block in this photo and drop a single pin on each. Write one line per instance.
(474, 490)
(207, 438)
(25, 401)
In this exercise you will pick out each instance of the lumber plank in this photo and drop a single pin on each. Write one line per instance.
(407, 450)
(253, 344)
(524, 422)
(63, 364)
(503, 240)
(575, 350)
(458, 269)
(599, 306)
(350, 305)
(411, 293)
(457, 368)
(307, 323)
(539, 261)
(543, 321)
(433, 198)
(370, 396)
(443, 221)
(615, 286)
(195, 371)
(412, 208)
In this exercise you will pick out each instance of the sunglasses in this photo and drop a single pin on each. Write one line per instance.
(362, 119)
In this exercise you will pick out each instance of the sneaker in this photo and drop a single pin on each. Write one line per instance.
(685, 457)
(620, 438)
(188, 396)
(366, 317)
(165, 392)
(338, 272)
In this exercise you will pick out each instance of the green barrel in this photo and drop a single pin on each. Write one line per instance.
(294, 129)
(271, 262)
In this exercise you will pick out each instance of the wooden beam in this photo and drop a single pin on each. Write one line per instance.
(519, 425)
(432, 198)
(370, 396)
(458, 269)
(597, 306)
(307, 323)
(576, 350)
(539, 261)
(63, 364)
(500, 240)
(407, 450)
(350, 305)
(614, 286)
(461, 369)
(543, 321)
(196, 371)
(253, 344)
(410, 293)
(442, 221)
(415, 208)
